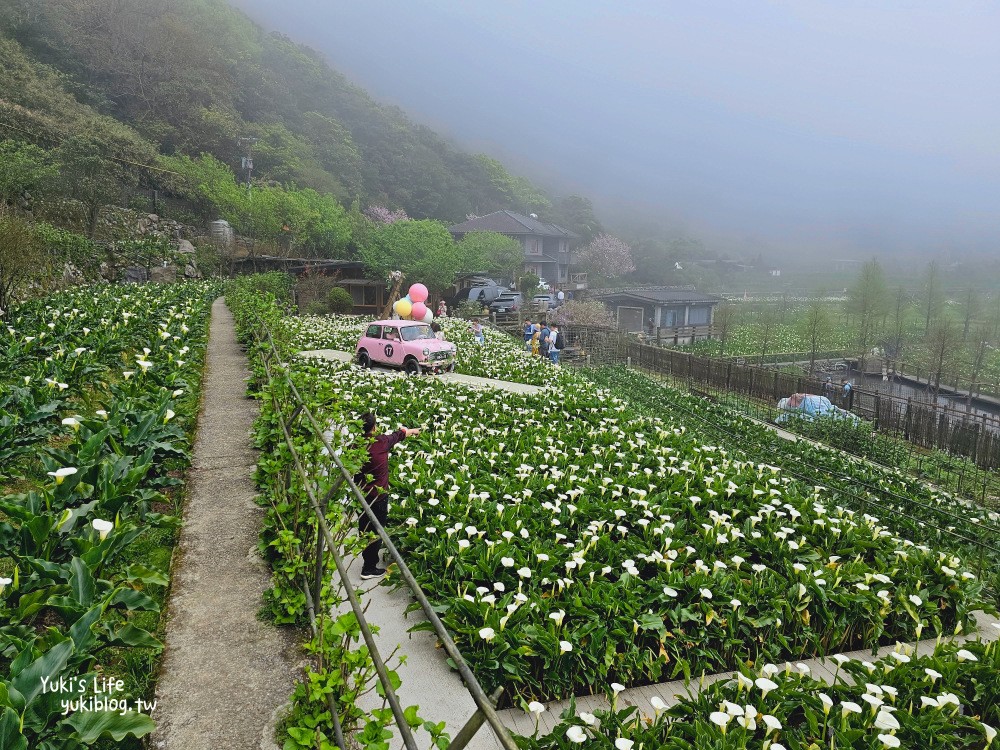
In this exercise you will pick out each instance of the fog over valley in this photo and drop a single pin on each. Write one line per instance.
(802, 128)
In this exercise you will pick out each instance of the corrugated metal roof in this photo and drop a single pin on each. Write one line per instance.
(663, 296)
(510, 222)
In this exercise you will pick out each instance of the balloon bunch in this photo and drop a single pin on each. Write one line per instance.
(412, 306)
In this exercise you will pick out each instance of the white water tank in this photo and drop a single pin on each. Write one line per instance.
(222, 234)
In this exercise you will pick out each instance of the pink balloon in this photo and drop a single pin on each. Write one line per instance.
(418, 293)
(419, 310)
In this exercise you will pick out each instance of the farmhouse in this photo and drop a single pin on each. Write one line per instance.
(546, 246)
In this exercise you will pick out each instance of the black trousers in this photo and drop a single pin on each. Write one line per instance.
(380, 506)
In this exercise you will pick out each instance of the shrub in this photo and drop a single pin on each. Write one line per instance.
(470, 310)
(339, 300)
(317, 307)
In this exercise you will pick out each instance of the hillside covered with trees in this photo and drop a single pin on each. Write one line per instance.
(196, 76)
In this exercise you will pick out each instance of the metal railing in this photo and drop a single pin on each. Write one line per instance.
(327, 544)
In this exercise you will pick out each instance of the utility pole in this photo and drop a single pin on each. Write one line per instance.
(247, 144)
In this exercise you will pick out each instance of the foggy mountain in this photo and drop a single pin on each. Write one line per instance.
(801, 128)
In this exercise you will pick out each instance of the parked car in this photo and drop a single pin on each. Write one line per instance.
(407, 344)
(484, 295)
(545, 301)
(507, 302)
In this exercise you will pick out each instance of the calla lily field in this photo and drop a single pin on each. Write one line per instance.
(598, 533)
(99, 396)
(608, 532)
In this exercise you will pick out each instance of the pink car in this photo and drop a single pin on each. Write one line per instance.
(407, 344)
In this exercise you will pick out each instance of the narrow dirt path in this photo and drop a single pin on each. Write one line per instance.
(225, 673)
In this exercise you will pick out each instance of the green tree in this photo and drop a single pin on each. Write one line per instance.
(895, 340)
(529, 285)
(22, 260)
(513, 192)
(868, 299)
(816, 327)
(491, 252)
(979, 348)
(724, 318)
(971, 305)
(318, 223)
(941, 344)
(24, 168)
(91, 178)
(767, 321)
(576, 213)
(423, 250)
(932, 296)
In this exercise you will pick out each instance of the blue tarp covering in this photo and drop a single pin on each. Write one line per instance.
(809, 406)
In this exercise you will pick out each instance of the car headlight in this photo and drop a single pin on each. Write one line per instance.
(427, 352)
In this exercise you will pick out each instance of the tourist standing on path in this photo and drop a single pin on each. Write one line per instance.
(847, 390)
(544, 341)
(438, 333)
(442, 309)
(373, 479)
(555, 344)
(827, 389)
(529, 330)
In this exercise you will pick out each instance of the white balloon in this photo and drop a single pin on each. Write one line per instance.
(429, 316)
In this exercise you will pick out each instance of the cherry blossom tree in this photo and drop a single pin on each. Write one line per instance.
(384, 215)
(608, 256)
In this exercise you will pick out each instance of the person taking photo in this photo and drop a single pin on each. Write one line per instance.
(373, 480)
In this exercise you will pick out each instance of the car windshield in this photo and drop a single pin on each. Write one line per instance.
(412, 333)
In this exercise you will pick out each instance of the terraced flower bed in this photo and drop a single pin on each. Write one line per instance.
(948, 699)
(100, 392)
(925, 514)
(574, 540)
(570, 542)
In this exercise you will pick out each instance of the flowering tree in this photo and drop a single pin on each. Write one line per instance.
(576, 313)
(384, 215)
(608, 256)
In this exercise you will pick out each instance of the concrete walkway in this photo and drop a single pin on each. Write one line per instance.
(427, 680)
(224, 673)
(449, 377)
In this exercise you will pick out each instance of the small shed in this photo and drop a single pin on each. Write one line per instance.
(662, 310)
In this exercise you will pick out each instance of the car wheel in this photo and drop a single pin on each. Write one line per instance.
(364, 360)
(411, 367)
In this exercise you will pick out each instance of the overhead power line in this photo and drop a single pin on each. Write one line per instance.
(107, 156)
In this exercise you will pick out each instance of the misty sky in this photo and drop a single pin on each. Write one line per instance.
(847, 126)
